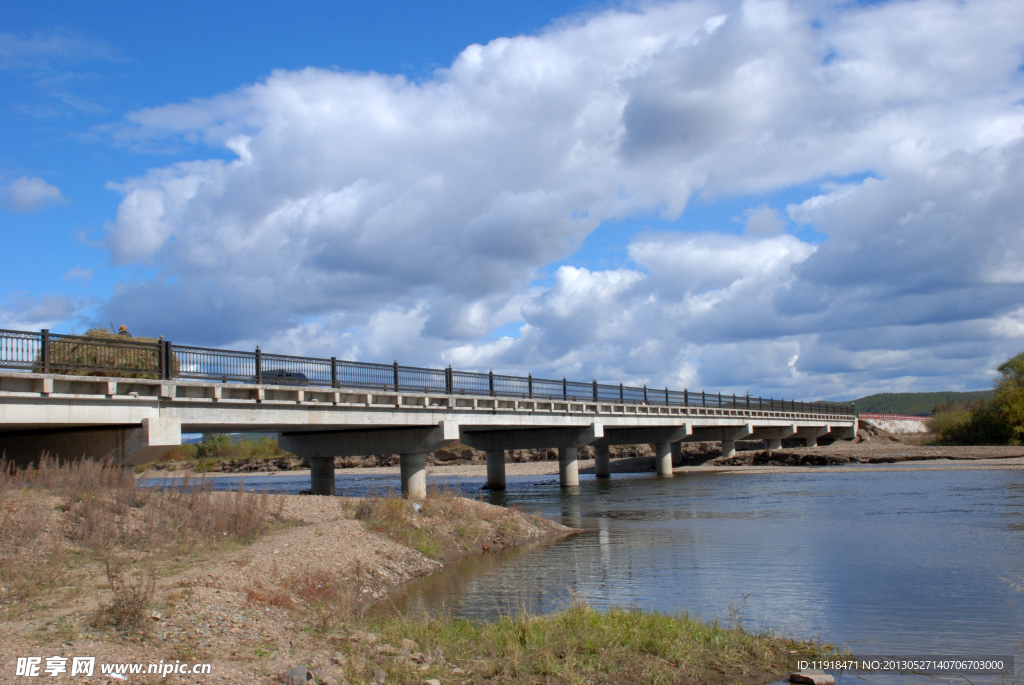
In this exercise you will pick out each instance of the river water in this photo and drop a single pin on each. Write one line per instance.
(900, 563)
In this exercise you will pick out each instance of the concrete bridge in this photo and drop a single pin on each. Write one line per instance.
(328, 408)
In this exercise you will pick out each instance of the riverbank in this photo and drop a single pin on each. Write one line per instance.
(256, 586)
(839, 456)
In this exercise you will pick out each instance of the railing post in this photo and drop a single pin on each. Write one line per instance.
(529, 384)
(449, 381)
(259, 366)
(666, 395)
(45, 351)
(748, 400)
(595, 390)
(703, 398)
(490, 381)
(396, 375)
(565, 389)
(161, 358)
(645, 393)
(334, 372)
(719, 400)
(686, 397)
(622, 395)
(168, 360)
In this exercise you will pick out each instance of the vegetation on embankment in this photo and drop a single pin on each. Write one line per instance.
(995, 421)
(915, 403)
(58, 521)
(584, 645)
(446, 526)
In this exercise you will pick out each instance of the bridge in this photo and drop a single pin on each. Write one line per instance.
(131, 400)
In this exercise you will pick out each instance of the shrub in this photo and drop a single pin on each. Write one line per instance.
(998, 421)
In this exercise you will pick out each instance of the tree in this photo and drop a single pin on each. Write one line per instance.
(998, 421)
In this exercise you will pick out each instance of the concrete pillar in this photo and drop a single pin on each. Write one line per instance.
(728, 449)
(321, 475)
(568, 467)
(495, 470)
(774, 443)
(677, 454)
(811, 441)
(414, 475)
(602, 461)
(663, 458)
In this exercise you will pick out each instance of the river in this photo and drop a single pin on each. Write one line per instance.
(900, 563)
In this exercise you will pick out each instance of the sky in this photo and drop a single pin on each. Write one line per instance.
(819, 200)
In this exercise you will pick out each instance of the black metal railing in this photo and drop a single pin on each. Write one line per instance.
(46, 352)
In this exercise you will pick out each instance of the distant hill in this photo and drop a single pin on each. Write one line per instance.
(914, 403)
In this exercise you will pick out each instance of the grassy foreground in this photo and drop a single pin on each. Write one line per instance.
(74, 532)
(584, 645)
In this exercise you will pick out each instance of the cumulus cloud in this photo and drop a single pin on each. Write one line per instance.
(386, 216)
(29, 194)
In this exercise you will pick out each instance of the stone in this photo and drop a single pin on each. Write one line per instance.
(297, 676)
(812, 677)
(432, 681)
(409, 644)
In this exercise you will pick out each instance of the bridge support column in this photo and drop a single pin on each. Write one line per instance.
(810, 434)
(663, 458)
(414, 475)
(774, 443)
(677, 453)
(321, 475)
(568, 467)
(728, 449)
(602, 461)
(495, 470)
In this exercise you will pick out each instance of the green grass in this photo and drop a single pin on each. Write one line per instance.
(584, 645)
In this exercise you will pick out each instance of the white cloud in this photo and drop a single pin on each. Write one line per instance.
(29, 194)
(413, 218)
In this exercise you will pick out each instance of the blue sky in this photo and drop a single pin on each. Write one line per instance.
(802, 199)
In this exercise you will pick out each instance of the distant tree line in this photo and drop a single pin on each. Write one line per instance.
(998, 420)
(917, 403)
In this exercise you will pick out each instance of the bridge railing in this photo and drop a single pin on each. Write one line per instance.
(45, 352)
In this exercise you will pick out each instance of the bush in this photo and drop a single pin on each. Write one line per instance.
(998, 421)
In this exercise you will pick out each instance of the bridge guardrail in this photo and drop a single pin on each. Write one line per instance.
(46, 352)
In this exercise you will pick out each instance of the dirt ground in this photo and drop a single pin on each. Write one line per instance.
(254, 611)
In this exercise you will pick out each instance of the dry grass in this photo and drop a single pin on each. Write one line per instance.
(444, 526)
(58, 517)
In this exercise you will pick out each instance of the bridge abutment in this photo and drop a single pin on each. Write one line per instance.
(568, 467)
(602, 461)
(495, 470)
(321, 475)
(414, 475)
(663, 458)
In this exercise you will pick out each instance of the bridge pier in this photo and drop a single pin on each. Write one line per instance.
(663, 458)
(495, 470)
(568, 467)
(774, 443)
(810, 434)
(321, 475)
(602, 461)
(414, 475)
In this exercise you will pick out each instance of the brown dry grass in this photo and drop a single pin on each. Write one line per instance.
(63, 521)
